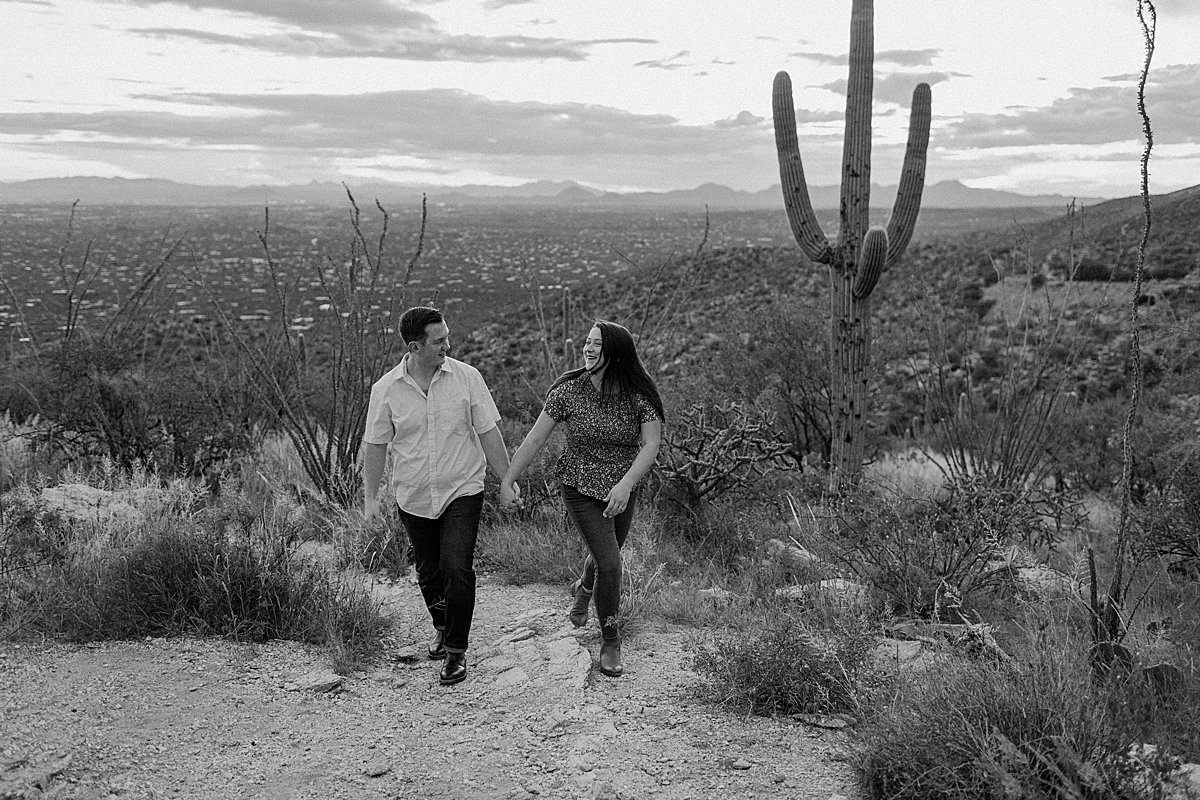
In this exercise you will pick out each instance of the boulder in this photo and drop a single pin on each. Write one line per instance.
(792, 556)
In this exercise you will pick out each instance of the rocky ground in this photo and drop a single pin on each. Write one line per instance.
(206, 718)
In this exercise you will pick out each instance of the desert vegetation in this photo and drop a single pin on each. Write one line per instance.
(954, 584)
(1002, 604)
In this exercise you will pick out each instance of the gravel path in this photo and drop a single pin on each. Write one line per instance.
(207, 718)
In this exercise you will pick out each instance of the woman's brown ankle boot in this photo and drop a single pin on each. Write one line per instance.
(610, 658)
(579, 608)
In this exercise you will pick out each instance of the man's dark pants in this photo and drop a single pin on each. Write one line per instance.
(445, 554)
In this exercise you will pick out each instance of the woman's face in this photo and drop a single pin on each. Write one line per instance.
(593, 351)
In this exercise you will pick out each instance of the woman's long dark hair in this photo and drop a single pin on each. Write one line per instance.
(624, 374)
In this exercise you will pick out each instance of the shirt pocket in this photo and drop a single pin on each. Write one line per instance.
(453, 418)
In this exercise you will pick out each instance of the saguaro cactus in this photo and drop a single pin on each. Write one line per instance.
(861, 254)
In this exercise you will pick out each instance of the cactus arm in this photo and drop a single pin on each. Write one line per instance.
(912, 179)
(800, 214)
(856, 149)
(871, 262)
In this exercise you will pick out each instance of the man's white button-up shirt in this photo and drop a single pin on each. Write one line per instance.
(433, 439)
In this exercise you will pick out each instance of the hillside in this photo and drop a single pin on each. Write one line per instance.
(1108, 234)
(747, 319)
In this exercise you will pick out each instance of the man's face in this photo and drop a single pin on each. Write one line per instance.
(433, 351)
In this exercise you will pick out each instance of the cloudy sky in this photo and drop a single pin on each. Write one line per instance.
(1033, 96)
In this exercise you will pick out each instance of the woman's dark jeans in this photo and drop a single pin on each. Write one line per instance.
(604, 537)
(445, 553)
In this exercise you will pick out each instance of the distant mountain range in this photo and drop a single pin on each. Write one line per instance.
(124, 191)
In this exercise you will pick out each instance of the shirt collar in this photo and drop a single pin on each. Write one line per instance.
(445, 367)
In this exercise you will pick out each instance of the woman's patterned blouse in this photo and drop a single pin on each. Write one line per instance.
(603, 438)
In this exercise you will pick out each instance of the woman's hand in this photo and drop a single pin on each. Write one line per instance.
(510, 495)
(617, 499)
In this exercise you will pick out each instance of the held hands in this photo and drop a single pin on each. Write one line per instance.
(617, 499)
(510, 495)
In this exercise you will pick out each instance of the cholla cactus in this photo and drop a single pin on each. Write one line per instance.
(861, 254)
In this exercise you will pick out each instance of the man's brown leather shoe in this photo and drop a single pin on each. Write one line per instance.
(454, 670)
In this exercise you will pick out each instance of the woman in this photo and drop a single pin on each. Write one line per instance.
(613, 416)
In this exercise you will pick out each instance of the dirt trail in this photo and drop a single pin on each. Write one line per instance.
(213, 719)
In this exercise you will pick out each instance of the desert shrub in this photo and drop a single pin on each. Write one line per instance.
(921, 555)
(789, 662)
(710, 451)
(126, 383)
(229, 569)
(783, 365)
(34, 538)
(1170, 519)
(1171, 270)
(317, 388)
(100, 397)
(1038, 726)
(1091, 267)
(973, 300)
(1085, 446)
(17, 456)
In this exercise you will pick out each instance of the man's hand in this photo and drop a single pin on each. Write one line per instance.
(510, 496)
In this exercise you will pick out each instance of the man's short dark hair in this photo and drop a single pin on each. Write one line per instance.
(414, 321)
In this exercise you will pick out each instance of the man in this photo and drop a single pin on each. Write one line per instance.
(436, 419)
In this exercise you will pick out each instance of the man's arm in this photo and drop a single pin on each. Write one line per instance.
(494, 450)
(374, 458)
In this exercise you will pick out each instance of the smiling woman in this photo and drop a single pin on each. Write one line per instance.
(612, 415)
(618, 95)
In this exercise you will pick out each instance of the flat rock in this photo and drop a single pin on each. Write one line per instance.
(318, 682)
(511, 677)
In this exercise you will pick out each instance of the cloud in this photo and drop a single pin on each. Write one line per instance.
(314, 15)
(495, 4)
(368, 29)
(670, 63)
(1177, 8)
(298, 137)
(744, 119)
(1095, 115)
(415, 122)
(895, 88)
(462, 48)
(899, 58)
(302, 137)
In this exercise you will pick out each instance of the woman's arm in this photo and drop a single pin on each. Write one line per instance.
(534, 440)
(618, 496)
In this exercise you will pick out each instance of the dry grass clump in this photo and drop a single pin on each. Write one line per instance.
(789, 662)
(1040, 726)
(229, 567)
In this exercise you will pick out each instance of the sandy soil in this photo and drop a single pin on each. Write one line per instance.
(203, 718)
